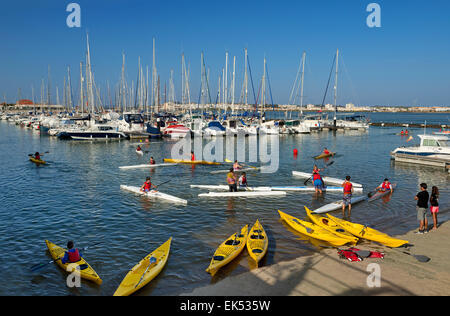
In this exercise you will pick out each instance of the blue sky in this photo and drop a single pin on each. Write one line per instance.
(405, 62)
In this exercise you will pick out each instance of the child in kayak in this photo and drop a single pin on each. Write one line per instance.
(434, 208)
(37, 156)
(347, 197)
(243, 180)
(152, 161)
(236, 165)
(326, 151)
(317, 179)
(147, 186)
(231, 180)
(422, 206)
(385, 186)
(72, 254)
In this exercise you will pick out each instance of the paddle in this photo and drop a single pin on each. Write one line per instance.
(152, 260)
(420, 258)
(325, 166)
(41, 265)
(156, 186)
(47, 152)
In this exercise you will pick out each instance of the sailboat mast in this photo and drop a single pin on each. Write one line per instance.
(335, 87)
(303, 77)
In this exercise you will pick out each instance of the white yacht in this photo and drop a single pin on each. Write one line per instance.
(431, 146)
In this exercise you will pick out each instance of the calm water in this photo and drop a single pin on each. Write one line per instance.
(77, 197)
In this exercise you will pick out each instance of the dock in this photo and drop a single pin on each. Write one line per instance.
(420, 160)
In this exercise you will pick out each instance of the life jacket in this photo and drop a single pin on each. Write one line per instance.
(192, 157)
(348, 187)
(243, 180)
(147, 186)
(152, 162)
(349, 255)
(385, 186)
(74, 255)
(38, 157)
(316, 176)
(373, 254)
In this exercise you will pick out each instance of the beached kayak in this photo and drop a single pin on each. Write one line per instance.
(338, 204)
(38, 161)
(154, 194)
(192, 162)
(313, 230)
(228, 250)
(328, 180)
(244, 194)
(330, 226)
(324, 155)
(86, 271)
(380, 194)
(257, 242)
(147, 165)
(224, 187)
(368, 233)
(145, 271)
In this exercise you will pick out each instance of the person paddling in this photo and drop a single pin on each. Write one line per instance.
(72, 254)
(139, 148)
(231, 180)
(37, 156)
(192, 156)
(147, 186)
(236, 166)
(326, 151)
(347, 197)
(385, 186)
(152, 161)
(317, 179)
(243, 180)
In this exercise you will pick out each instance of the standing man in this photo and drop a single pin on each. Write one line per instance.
(422, 207)
(347, 198)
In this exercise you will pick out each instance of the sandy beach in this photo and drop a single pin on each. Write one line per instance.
(325, 273)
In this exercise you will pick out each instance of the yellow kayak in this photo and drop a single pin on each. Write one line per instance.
(193, 162)
(38, 161)
(368, 233)
(330, 226)
(257, 242)
(228, 250)
(145, 271)
(86, 271)
(313, 230)
(324, 155)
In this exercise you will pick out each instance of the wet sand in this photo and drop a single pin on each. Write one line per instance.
(325, 273)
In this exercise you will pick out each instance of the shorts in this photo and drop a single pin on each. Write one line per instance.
(421, 213)
(318, 184)
(347, 199)
(434, 209)
(233, 187)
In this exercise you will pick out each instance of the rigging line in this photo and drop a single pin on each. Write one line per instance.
(270, 88)
(328, 83)
(355, 95)
(251, 80)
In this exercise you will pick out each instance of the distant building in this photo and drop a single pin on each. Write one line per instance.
(24, 102)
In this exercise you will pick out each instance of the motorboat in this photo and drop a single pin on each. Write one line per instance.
(431, 146)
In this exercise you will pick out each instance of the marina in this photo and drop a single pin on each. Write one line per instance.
(184, 148)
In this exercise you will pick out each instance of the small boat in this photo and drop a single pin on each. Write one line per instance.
(313, 230)
(85, 270)
(154, 194)
(431, 146)
(38, 161)
(147, 165)
(228, 250)
(328, 180)
(321, 156)
(193, 162)
(380, 194)
(312, 189)
(330, 226)
(145, 271)
(338, 204)
(244, 194)
(257, 242)
(368, 233)
(236, 170)
(176, 130)
(225, 187)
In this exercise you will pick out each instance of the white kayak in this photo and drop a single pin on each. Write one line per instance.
(140, 152)
(147, 165)
(312, 189)
(380, 194)
(244, 194)
(153, 194)
(338, 204)
(225, 187)
(237, 170)
(328, 180)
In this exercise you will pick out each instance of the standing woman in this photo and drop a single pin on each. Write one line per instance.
(231, 180)
(434, 201)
